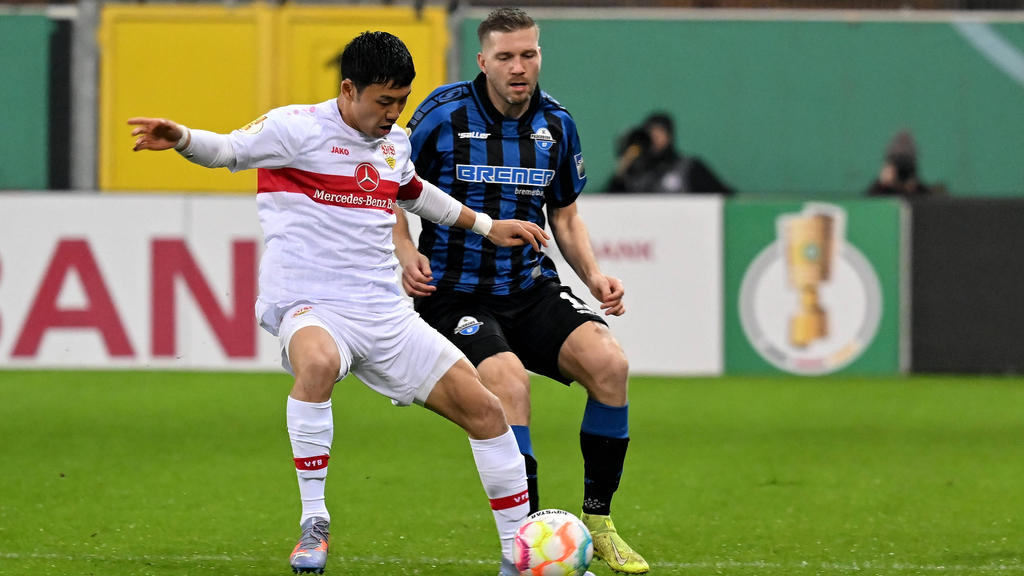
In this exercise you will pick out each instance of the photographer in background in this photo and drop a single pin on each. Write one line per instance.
(898, 176)
(649, 162)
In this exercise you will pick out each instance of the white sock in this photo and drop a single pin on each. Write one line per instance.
(503, 473)
(311, 430)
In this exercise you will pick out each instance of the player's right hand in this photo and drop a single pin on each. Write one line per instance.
(416, 277)
(154, 133)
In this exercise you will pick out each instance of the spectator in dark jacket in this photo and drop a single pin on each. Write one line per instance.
(898, 176)
(648, 161)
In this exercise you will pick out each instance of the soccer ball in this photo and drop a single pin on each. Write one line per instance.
(553, 543)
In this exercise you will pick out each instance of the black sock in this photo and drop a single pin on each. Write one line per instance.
(602, 467)
(531, 482)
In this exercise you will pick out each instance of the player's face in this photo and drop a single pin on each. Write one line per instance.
(373, 111)
(511, 61)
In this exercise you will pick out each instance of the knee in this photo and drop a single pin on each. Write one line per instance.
(315, 374)
(607, 374)
(613, 363)
(505, 375)
(487, 419)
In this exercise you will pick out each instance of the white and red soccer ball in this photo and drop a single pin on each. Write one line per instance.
(553, 543)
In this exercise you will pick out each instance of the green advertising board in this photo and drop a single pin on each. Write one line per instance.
(24, 101)
(812, 288)
(793, 107)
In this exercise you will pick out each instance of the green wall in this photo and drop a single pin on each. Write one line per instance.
(802, 108)
(24, 101)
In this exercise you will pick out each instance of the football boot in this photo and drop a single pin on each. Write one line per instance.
(611, 548)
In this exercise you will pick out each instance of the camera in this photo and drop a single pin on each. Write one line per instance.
(636, 137)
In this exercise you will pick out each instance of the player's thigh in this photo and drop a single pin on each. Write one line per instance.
(402, 357)
(313, 350)
(539, 331)
(594, 358)
(460, 397)
(505, 376)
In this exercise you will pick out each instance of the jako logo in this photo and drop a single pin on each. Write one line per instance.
(504, 174)
(339, 150)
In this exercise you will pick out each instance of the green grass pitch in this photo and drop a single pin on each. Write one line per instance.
(164, 473)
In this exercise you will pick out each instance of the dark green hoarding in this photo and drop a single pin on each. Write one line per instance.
(24, 101)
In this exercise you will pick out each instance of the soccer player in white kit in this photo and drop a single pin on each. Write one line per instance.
(329, 177)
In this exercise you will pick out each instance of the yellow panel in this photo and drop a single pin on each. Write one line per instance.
(204, 66)
(310, 38)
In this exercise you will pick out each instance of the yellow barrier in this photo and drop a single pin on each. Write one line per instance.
(217, 68)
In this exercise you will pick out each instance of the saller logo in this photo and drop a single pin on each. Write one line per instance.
(504, 174)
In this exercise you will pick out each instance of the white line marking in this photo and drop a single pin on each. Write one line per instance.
(824, 567)
(994, 47)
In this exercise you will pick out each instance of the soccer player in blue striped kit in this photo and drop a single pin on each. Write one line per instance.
(502, 146)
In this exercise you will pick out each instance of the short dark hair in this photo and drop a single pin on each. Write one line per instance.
(661, 119)
(504, 20)
(377, 58)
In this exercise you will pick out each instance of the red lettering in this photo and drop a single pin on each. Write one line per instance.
(99, 313)
(236, 331)
(624, 250)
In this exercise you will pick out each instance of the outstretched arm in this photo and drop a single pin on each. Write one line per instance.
(574, 242)
(198, 146)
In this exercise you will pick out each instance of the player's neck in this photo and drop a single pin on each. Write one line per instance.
(508, 110)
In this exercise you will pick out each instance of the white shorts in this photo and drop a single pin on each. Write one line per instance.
(396, 354)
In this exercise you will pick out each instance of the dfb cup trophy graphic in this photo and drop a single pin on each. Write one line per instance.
(809, 247)
(810, 302)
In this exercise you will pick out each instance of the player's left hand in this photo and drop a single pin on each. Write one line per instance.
(517, 233)
(609, 291)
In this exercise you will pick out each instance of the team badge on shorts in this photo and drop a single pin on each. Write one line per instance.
(468, 326)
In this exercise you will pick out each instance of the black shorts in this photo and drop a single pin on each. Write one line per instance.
(532, 324)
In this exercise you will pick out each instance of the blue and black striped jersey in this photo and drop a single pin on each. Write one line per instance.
(506, 167)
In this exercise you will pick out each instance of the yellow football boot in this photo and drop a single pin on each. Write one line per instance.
(611, 548)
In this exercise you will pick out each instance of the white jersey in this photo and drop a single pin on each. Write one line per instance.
(326, 198)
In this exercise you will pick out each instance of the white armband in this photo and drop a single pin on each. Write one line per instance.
(434, 205)
(482, 224)
(206, 148)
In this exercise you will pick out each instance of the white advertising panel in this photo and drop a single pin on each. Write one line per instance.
(667, 250)
(169, 282)
(130, 282)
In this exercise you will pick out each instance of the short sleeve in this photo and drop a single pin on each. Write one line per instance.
(571, 176)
